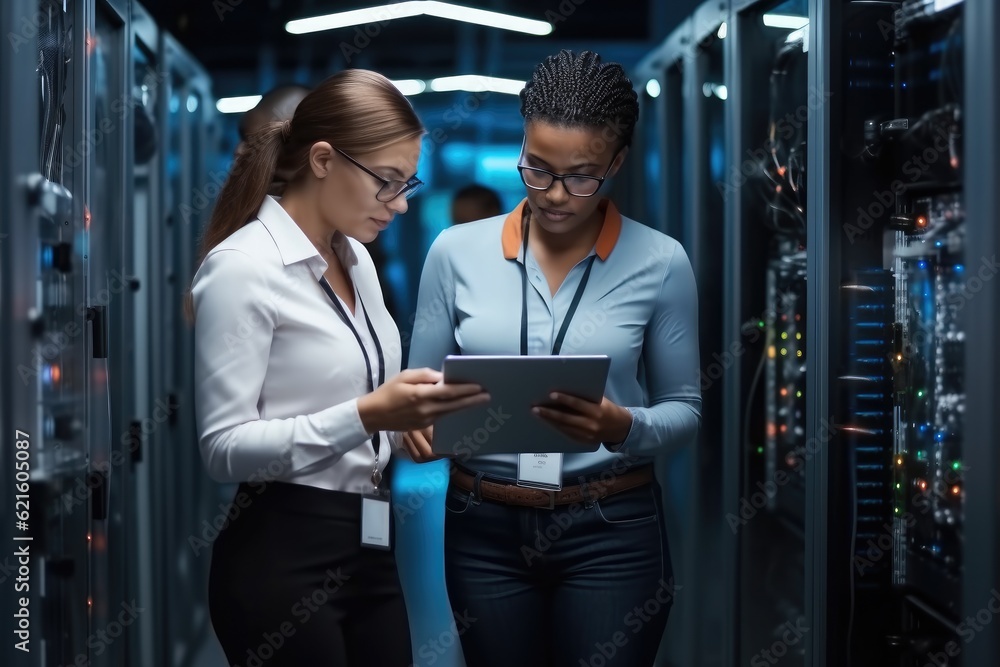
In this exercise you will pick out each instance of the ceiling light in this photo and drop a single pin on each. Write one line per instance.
(410, 86)
(475, 84)
(445, 10)
(653, 88)
(237, 104)
(785, 21)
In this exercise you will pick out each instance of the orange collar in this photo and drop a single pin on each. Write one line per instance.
(610, 229)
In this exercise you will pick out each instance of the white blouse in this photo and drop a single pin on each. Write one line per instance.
(277, 370)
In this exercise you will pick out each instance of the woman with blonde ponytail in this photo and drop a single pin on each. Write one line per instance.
(300, 399)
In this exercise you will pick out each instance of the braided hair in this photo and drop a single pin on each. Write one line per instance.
(578, 90)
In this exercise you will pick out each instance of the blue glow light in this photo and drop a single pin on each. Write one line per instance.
(922, 264)
(959, 268)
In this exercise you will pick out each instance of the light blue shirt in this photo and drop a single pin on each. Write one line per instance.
(639, 307)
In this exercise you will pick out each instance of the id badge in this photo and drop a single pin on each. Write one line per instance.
(375, 526)
(540, 471)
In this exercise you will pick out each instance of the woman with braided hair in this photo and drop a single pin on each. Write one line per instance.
(299, 397)
(579, 575)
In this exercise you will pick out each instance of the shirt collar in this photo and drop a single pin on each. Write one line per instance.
(292, 243)
(513, 230)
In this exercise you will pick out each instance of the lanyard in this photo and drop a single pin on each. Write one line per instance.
(376, 475)
(557, 344)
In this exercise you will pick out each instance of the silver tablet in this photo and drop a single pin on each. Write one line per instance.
(516, 384)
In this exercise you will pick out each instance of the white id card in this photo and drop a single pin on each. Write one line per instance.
(375, 521)
(540, 471)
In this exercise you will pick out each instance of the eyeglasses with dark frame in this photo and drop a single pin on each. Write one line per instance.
(390, 188)
(578, 185)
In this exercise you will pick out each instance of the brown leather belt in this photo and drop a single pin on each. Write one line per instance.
(511, 494)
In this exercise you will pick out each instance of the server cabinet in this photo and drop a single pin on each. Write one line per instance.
(664, 130)
(23, 363)
(107, 446)
(705, 96)
(688, 69)
(103, 160)
(55, 383)
(981, 558)
(182, 509)
(150, 410)
(765, 321)
(860, 405)
(909, 290)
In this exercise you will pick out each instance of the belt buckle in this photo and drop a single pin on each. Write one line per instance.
(552, 500)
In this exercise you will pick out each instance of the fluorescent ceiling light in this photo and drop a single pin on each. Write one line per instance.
(474, 84)
(653, 88)
(444, 10)
(237, 104)
(410, 86)
(784, 21)
(723, 30)
(941, 5)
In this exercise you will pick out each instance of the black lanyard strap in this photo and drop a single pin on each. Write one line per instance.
(557, 344)
(364, 351)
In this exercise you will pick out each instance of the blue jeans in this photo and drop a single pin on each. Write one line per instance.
(583, 585)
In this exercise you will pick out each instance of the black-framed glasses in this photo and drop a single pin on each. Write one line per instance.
(390, 188)
(578, 185)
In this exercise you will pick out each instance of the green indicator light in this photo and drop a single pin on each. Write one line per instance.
(898, 485)
(761, 324)
(760, 450)
(956, 465)
(920, 394)
(798, 394)
(897, 510)
(784, 335)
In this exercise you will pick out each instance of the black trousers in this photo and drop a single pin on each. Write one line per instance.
(290, 584)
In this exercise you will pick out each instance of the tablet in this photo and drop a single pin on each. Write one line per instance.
(515, 385)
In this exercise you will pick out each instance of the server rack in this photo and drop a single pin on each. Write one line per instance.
(665, 196)
(982, 361)
(184, 504)
(112, 461)
(148, 413)
(885, 347)
(690, 118)
(768, 114)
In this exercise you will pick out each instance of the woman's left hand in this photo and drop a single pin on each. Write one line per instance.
(585, 421)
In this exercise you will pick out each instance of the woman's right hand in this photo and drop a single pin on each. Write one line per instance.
(413, 399)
